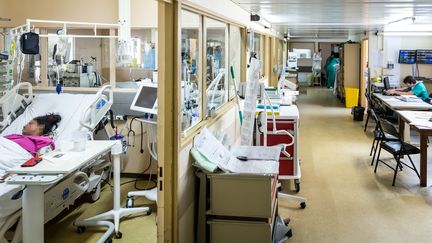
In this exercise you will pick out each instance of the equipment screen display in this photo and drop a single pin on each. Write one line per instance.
(147, 97)
(424, 56)
(407, 56)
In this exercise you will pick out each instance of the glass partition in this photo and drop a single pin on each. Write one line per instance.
(191, 107)
(141, 62)
(75, 61)
(234, 58)
(216, 64)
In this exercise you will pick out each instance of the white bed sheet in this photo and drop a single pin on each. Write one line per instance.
(11, 155)
(69, 106)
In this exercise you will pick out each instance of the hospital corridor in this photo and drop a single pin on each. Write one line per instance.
(203, 121)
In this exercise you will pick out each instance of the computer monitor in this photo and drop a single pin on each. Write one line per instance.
(386, 82)
(424, 56)
(145, 99)
(407, 56)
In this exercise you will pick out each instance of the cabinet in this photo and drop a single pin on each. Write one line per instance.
(349, 75)
(236, 208)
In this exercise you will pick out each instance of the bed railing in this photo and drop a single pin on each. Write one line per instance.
(13, 103)
(98, 109)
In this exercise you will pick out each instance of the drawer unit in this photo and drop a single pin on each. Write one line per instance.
(232, 231)
(229, 193)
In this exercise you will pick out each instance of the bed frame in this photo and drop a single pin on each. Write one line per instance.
(86, 180)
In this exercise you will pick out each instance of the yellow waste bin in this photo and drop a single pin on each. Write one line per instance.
(351, 97)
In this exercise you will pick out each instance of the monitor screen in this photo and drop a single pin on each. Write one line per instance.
(424, 56)
(407, 56)
(145, 99)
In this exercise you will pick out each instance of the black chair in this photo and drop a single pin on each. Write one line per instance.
(397, 148)
(378, 136)
(370, 107)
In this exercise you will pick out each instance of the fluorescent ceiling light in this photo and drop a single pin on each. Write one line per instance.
(408, 27)
(404, 33)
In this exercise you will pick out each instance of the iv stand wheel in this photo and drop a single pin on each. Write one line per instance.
(109, 240)
(118, 235)
(297, 185)
(303, 205)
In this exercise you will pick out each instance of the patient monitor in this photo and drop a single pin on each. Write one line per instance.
(146, 99)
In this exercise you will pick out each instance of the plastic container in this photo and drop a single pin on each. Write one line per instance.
(351, 97)
(79, 141)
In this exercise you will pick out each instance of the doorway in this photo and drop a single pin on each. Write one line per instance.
(364, 67)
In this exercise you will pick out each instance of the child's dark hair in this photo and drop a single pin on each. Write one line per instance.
(409, 80)
(50, 122)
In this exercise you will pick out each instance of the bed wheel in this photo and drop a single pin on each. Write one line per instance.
(96, 193)
(149, 212)
(81, 229)
(109, 240)
(118, 235)
(130, 202)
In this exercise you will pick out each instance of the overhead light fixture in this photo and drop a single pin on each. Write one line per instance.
(260, 20)
(4, 19)
(405, 33)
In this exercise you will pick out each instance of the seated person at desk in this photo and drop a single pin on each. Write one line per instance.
(416, 88)
(35, 135)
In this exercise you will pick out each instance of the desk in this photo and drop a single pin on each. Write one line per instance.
(412, 118)
(395, 104)
(46, 173)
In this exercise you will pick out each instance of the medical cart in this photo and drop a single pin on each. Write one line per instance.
(286, 119)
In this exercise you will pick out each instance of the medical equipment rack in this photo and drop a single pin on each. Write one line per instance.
(288, 119)
(6, 76)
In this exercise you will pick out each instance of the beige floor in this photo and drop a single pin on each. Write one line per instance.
(347, 202)
(141, 228)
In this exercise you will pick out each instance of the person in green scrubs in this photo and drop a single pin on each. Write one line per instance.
(415, 87)
(331, 70)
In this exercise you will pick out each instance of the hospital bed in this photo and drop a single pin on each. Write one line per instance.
(82, 115)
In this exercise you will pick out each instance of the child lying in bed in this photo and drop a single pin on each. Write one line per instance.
(35, 135)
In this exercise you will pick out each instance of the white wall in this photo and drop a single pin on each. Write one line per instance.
(143, 12)
(392, 45)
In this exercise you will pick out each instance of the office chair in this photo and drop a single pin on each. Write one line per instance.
(397, 148)
(378, 135)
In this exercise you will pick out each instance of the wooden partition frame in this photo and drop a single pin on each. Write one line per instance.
(168, 117)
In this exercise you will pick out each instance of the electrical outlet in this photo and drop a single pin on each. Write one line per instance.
(120, 118)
